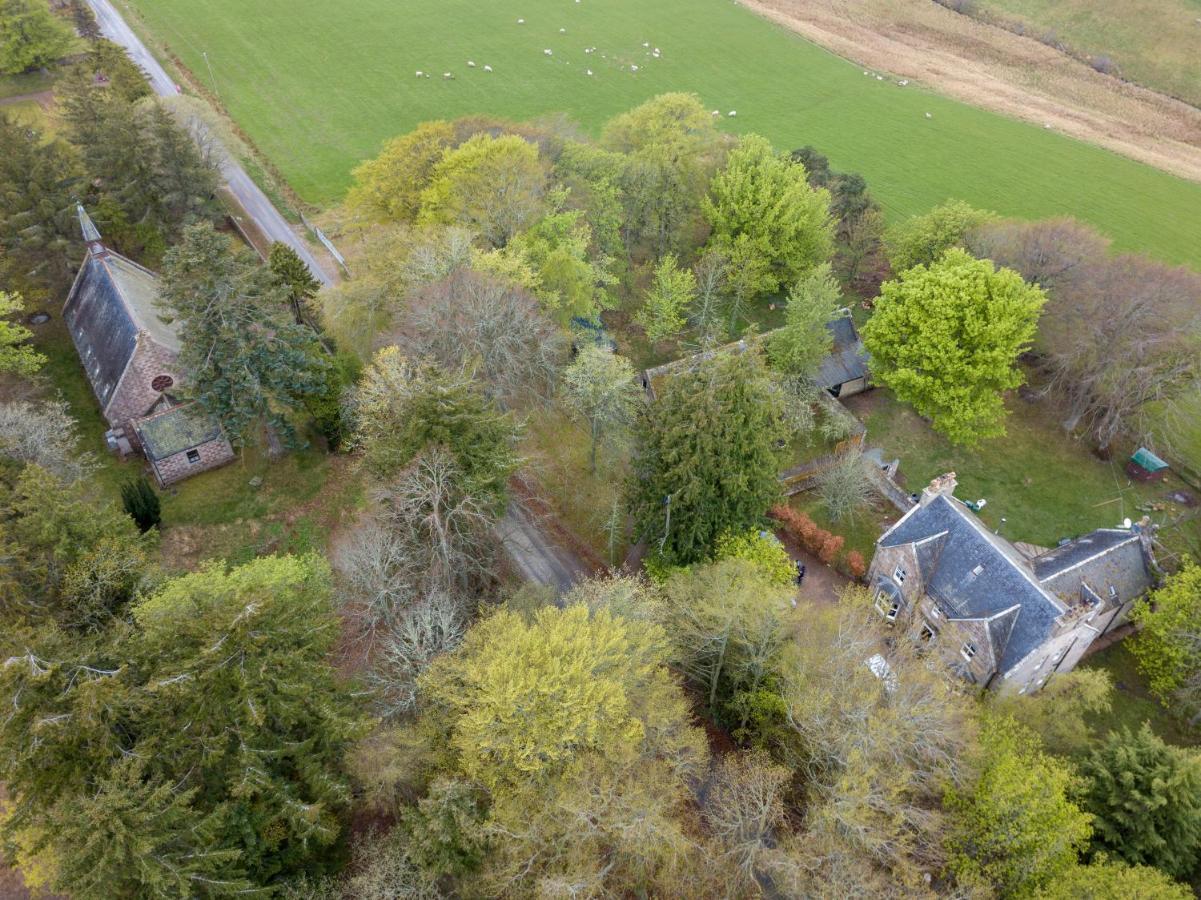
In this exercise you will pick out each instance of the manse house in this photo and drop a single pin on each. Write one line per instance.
(131, 356)
(1006, 619)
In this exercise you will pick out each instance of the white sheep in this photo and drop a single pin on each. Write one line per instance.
(928, 116)
(879, 78)
(548, 52)
(487, 68)
(470, 64)
(562, 31)
(447, 76)
(717, 112)
(633, 68)
(521, 21)
(904, 82)
(588, 72)
(646, 43)
(420, 73)
(732, 113)
(656, 51)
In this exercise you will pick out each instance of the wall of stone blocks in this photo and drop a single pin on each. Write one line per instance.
(176, 467)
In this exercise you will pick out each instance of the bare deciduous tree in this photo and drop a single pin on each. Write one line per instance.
(844, 487)
(1119, 337)
(745, 807)
(46, 435)
(435, 625)
(475, 321)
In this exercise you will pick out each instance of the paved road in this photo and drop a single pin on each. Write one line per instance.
(535, 556)
(253, 200)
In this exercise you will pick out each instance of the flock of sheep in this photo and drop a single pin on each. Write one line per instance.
(655, 53)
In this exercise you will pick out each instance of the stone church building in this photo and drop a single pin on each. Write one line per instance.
(1006, 616)
(131, 358)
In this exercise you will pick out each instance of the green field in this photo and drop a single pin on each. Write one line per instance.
(1154, 42)
(319, 87)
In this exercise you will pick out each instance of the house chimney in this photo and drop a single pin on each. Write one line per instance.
(943, 485)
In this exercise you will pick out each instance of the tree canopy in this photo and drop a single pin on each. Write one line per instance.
(1168, 645)
(30, 36)
(946, 339)
(922, 240)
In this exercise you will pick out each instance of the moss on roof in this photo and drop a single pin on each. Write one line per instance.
(176, 430)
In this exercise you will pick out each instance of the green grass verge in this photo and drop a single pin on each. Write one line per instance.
(319, 88)
(1046, 485)
(1132, 702)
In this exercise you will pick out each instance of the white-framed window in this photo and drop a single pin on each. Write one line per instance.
(888, 606)
(927, 633)
(968, 650)
(898, 574)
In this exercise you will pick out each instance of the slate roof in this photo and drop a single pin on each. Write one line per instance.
(1109, 558)
(112, 300)
(978, 575)
(847, 359)
(176, 430)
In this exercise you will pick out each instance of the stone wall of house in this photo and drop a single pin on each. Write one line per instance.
(177, 467)
(885, 562)
(133, 397)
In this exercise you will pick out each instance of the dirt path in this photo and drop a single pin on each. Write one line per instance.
(44, 99)
(992, 68)
(822, 584)
(534, 555)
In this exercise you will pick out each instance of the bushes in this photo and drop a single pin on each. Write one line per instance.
(825, 545)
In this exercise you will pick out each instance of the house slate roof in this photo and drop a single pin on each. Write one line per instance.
(847, 359)
(177, 429)
(1109, 558)
(977, 575)
(112, 301)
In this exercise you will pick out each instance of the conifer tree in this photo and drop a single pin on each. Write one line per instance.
(142, 503)
(1145, 796)
(30, 36)
(293, 275)
(706, 458)
(248, 362)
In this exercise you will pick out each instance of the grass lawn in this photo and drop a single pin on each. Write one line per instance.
(1154, 42)
(320, 87)
(1132, 702)
(1046, 485)
(860, 533)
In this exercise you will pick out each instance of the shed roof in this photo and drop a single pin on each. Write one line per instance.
(176, 430)
(847, 360)
(1148, 460)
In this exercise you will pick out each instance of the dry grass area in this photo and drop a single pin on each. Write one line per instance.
(1000, 71)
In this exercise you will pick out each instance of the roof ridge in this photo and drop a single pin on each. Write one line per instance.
(1055, 574)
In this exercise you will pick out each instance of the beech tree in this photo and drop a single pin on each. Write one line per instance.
(247, 361)
(1145, 797)
(600, 388)
(388, 188)
(495, 186)
(1106, 880)
(16, 356)
(946, 339)
(667, 300)
(767, 198)
(706, 458)
(1015, 826)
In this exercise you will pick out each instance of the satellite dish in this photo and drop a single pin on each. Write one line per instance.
(1126, 523)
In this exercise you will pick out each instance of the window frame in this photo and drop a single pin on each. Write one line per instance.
(968, 650)
(192, 456)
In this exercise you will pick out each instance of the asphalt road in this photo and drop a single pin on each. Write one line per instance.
(253, 200)
(534, 555)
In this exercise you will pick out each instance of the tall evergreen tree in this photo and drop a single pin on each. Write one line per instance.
(1145, 797)
(293, 275)
(706, 458)
(248, 361)
(38, 230)
(195, 751)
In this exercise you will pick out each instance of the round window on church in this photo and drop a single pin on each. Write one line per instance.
(162, 382)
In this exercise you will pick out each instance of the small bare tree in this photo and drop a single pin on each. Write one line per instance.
(745, 807)
(44, 434)
(481, 323)
(419, 634)
(844, 487)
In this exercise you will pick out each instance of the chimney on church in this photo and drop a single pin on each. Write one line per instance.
(91, 234)
(943, 485)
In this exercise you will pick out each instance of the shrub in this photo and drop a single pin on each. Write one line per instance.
(760, 549)
(856, 564)
(142, 504)
(830, 548)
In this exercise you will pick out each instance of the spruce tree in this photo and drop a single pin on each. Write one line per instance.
(1145, 796)
(293, 275)
(706, 459)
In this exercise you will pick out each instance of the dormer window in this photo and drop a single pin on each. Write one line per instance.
(898, 575)
(968, 650)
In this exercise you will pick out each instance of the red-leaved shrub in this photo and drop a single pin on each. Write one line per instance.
(830, 548)
(856, 565)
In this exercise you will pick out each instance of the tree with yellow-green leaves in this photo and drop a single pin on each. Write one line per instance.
(495, 186)
(581, 738)
(16, 356)
(388, 188)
